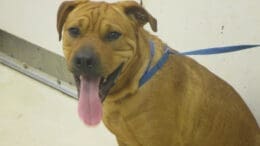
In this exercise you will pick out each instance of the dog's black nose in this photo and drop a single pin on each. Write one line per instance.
(86, 61)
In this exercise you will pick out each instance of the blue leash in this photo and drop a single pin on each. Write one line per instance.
(208, 51)
(219, 50)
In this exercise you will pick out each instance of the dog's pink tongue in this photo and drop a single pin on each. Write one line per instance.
(89, 106)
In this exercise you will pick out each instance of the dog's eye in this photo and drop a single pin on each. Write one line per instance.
(113, 35)
(74, 31)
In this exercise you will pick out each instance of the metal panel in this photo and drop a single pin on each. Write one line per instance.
(36, 62)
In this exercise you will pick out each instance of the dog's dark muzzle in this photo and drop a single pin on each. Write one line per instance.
(86, 62)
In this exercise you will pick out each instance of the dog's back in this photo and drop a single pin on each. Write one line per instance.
(212, 111)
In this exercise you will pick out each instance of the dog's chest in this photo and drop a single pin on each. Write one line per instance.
(116, 123)
(124, 118)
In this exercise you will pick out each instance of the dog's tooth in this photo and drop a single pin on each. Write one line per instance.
(105, 80)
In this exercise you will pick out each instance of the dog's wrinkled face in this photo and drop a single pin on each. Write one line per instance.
(99, 42)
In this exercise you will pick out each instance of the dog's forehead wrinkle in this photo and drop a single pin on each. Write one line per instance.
(119, 11)
(92, 17)
(92, 14)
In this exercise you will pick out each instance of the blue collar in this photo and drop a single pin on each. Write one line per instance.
(150, 71)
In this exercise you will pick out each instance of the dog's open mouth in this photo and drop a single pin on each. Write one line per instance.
(92, 91)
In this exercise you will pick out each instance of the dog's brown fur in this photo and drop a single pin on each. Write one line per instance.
(183, 104)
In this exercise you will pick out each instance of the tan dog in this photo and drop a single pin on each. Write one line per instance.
(183, 104)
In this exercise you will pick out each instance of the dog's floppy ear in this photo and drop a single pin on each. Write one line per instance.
(65, 8)
(136, 11)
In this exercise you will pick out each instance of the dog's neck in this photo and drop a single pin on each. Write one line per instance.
(128, 85)
(159, 49)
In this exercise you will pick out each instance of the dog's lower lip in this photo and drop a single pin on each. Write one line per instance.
(106, 83)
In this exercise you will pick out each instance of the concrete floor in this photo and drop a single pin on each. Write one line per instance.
(32, 114)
